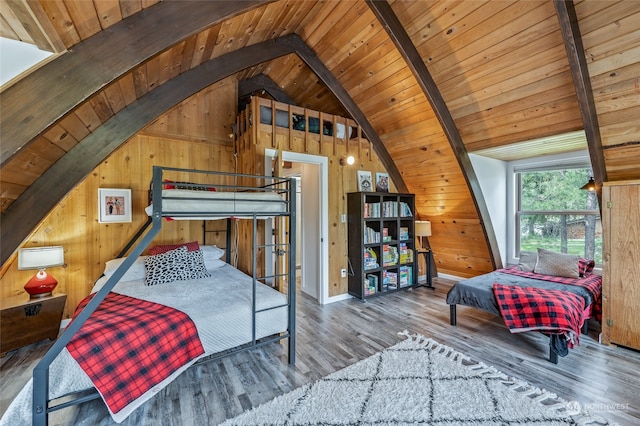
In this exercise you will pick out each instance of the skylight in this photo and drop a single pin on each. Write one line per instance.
(16, 57)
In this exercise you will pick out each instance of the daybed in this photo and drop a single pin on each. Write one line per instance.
(176, 307)
(532, 297)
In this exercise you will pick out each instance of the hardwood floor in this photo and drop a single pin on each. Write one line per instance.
(337, 335)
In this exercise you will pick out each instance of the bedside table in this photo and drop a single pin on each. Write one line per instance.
(24, 321)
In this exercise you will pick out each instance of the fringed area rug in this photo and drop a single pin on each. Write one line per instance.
(417, 381)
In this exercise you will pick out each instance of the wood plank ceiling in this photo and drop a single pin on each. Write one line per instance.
(501, 68)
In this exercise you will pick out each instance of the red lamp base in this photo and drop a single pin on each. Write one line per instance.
(40, 285)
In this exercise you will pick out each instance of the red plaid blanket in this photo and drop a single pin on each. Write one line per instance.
(591, 282)
(129, 345)
(548, 311)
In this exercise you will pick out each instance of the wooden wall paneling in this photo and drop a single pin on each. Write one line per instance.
(84, 17)
(127, 86)
(113, 94)
(60, 18)
(88, 116)
(341, 180)
(539, 58)
(73, 222)
(166, 63)
(151, 70)
(188, 52)
(60, 137)
(358, 40)
(100, 105)
(108, 12)
(129, 8)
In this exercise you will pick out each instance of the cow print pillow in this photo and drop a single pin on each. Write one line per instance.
(174, 265)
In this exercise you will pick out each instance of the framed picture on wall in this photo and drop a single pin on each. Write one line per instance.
(365, 182)
(114, 205)
(382, 182)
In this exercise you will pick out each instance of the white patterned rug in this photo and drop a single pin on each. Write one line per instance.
(417, 381)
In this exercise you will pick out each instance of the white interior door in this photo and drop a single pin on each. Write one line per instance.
(313, 237)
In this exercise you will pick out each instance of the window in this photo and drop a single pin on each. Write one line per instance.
(552, 212)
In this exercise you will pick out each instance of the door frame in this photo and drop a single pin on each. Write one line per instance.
(323, 249)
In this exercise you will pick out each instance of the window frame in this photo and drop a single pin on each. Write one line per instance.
(514, 168)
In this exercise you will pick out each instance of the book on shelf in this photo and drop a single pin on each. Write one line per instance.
(370, 259)
(405, 210)
(390, 280)
(404, 233)
(370, 284)
(406, 276)
(371, 236)
(406, 254)
(371, 210)
(390, 255)
(385, 235)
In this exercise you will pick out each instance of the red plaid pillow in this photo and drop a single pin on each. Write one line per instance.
(585, 266)
(191, 246)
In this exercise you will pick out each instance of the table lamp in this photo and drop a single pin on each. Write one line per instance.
(423, 229)
(41, 284)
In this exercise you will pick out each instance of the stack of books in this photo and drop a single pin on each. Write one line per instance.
(389, 280)
(370, 259)
(406, 276)
(390, 255)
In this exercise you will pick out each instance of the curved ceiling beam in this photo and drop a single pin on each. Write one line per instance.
(41, 98)
(318, 67)
(414, 61)
(566, 12)
(42, 196)
(260, 82)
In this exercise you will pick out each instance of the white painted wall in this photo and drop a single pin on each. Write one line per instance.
(492, 176)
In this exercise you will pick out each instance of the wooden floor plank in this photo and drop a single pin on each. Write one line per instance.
(334, 336)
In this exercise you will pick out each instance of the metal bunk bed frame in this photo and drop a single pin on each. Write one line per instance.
(41, 401)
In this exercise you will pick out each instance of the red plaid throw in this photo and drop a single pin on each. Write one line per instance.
(550, 311)
(591, 282)
(129, 345)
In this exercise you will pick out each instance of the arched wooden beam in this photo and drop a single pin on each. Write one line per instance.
(33, 204)
(414, 61)
(566, 12)
(40, 99)
(259, 82)
(317, 66)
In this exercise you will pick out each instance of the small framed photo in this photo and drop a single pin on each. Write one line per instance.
(365, 182)
(382, 182)
(114, 205)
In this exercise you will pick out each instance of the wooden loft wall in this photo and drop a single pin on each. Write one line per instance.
(252, 141)
(176, 139)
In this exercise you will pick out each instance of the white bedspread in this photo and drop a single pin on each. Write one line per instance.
(220, 307)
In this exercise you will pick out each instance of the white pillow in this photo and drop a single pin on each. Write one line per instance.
(212, 255)
(135, 272)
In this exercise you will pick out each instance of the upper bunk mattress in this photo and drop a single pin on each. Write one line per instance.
(208, 205)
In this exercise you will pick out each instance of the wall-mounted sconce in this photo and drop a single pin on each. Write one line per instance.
(347, 161)
(590, 186)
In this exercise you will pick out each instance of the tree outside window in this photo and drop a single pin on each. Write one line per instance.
(555, 214)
